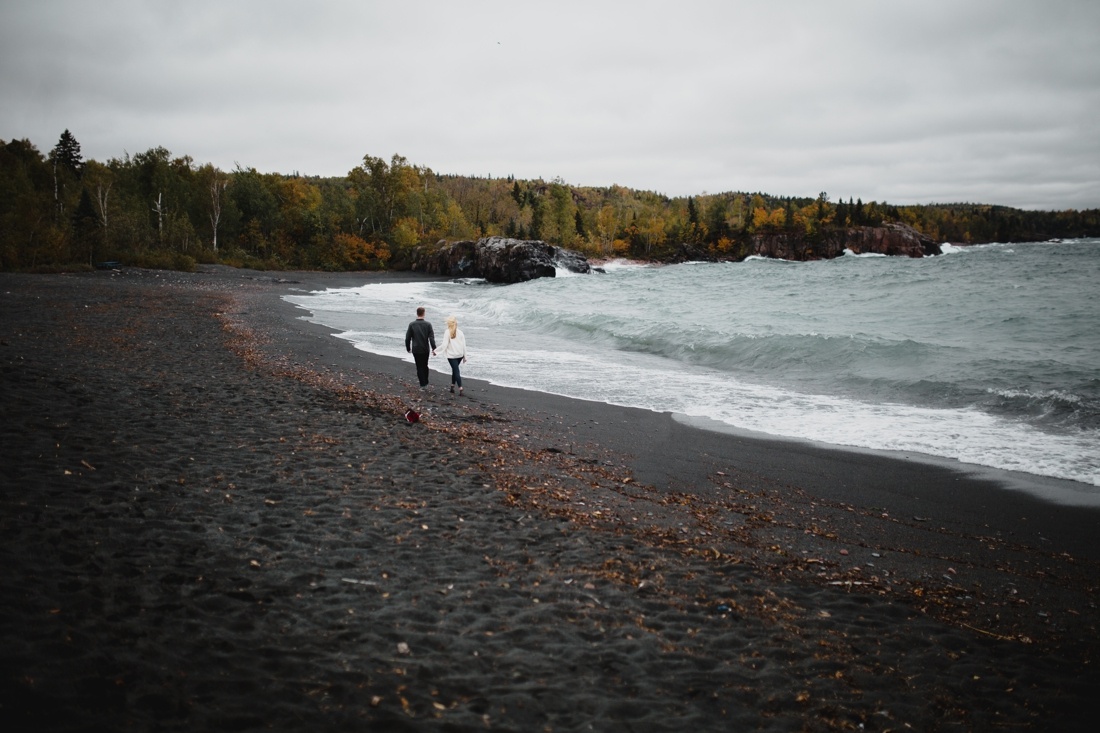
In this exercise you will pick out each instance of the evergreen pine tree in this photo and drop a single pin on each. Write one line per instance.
(841, 214)
(67, 153)
(86, 225)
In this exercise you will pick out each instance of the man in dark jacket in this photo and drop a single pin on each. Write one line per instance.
(420, 341)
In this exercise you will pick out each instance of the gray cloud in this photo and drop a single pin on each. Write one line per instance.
(909, 102)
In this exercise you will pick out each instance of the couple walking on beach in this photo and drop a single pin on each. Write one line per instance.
(420, 342)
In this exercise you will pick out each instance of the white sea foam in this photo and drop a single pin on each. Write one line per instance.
(945, 357)
(761, 258)
(621, 264)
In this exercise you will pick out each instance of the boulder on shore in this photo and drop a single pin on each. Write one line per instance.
(498, 259)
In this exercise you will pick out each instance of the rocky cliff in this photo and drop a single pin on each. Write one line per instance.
(498, 259)
(887, 239)
(505, 260)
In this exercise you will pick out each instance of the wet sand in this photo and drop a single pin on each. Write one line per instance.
(215, 517)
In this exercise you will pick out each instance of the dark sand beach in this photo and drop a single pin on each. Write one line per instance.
(215, 517)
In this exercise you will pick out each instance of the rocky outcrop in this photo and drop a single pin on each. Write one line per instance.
(498, 259)
(888, 239)
(505, 260)
(685, 252)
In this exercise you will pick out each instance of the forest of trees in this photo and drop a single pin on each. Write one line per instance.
(59, 211)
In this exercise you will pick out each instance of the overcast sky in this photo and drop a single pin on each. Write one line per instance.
(902, 101)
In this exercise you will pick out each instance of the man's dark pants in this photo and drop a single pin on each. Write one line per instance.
(421, 367)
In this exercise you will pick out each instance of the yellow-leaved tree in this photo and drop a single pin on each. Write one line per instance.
(357, 253)
(406, 233)
(606, 225)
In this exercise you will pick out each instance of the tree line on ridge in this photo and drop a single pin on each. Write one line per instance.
(153, 209)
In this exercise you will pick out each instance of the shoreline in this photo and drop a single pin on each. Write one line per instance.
(217, 518)
(1040, 495)
(1047, 489)
(1004, 454)
(961, 506)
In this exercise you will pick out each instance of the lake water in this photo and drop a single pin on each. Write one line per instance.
(986, 355)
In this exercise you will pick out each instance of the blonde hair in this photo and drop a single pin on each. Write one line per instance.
(452, 326)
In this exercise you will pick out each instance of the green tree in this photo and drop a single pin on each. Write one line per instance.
(651, 228)
(384, 193)
(67, 167)
(30, 234)
(98, 181)
(561, 207)
(165, 187)
(67, 154)
(86, 225)
(539, 216)
(842, 210)
(253, 196)
(718, 218)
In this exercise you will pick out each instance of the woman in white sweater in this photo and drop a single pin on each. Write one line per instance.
(454, 348)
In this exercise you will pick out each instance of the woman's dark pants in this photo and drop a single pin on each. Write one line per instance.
(456, 377)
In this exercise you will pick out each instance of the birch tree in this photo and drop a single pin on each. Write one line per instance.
(218, 183)
(159, 209)
(99, 179)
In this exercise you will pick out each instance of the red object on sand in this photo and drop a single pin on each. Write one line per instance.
(412, 416)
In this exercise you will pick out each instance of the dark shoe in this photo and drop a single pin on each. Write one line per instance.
(453, 389)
